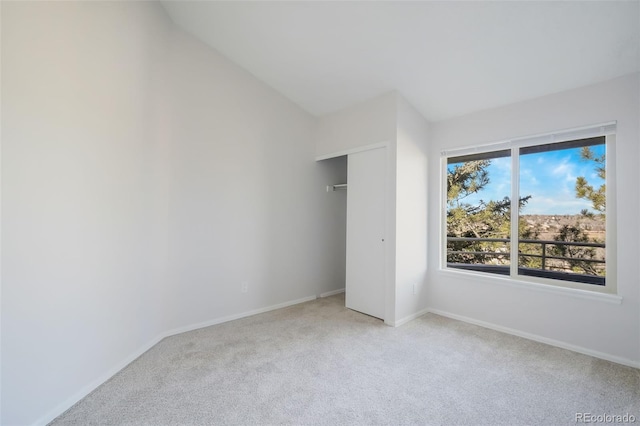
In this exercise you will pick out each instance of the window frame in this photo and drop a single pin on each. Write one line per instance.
(606, 130)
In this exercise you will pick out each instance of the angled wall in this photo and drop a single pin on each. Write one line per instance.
(144, 179)
(83, 250)
(248, 203)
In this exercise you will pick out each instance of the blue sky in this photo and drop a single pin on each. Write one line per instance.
(549, 177)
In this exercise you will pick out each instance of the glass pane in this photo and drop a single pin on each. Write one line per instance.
(562, 223)
(478, 212)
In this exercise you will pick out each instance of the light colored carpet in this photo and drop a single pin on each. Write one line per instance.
(319, 363)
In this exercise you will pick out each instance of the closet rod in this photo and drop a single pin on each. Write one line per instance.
(337, 187)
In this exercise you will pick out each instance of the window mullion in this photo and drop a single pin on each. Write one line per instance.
(515, 207)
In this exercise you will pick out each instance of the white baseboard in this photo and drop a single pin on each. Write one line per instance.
(86, 390)
(332, 293)
(537, 338)
(237, 316)
(407, 318)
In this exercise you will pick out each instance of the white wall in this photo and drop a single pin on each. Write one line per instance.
(82, 250)
(83, 254)
(594, 326)
(372, 122)
(366, 123)
(390, 119)
(411, 212)
(143, 177)
(248, 201)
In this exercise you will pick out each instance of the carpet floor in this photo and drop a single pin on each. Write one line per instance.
(319, 363)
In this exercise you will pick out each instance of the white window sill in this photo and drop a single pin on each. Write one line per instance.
(529, 285)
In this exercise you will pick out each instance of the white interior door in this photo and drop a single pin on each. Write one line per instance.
(366, 179)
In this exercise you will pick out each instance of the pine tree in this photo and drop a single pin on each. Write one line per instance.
(486, 219)
(577, 255)
(585, 191)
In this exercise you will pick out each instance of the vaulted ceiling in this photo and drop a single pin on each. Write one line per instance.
(446, 58)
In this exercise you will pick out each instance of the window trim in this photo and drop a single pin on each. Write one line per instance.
(606, 130)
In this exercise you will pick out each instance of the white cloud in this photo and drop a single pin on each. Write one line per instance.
(566, 167)
(546, 205)
(528, 177)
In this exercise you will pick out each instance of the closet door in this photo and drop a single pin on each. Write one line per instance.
(366, 177)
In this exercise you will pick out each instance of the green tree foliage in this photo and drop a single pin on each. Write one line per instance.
(466, 179)
(586, 191)
(489, 220)
(572, 233)
(486, 219)
(577, 256)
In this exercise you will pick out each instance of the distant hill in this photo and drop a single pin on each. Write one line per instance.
(549, 225)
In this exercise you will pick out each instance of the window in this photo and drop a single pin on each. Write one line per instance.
(534, 209)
